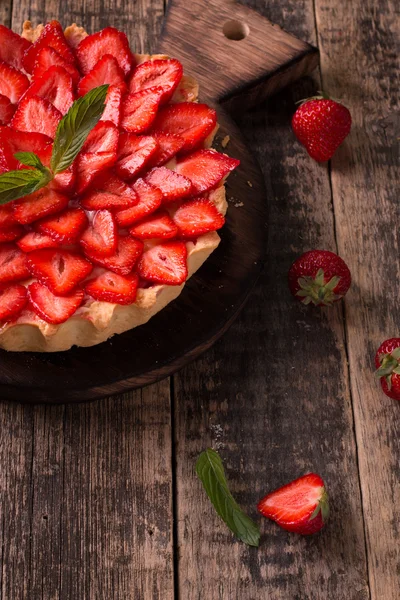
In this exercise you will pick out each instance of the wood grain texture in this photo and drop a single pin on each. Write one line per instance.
(364, 37)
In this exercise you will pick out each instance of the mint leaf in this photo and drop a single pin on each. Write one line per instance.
(15, 184)
(30, 159)
(75, 126)
(210, 470)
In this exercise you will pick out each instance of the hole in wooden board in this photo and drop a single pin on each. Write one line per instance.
(235, 30)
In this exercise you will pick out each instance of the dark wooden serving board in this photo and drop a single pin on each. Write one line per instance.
(203, 34)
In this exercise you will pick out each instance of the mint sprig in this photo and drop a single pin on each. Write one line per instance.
(30, 159)
(16, 184)
(210, 470)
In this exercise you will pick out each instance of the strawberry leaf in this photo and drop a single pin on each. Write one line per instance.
(15, 184)
(210, 470)
(75, 126)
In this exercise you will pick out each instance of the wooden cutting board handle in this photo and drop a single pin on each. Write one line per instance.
(233, 50)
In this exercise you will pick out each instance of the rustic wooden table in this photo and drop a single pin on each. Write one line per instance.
(100, 501)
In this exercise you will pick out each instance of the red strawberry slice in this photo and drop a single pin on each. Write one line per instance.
(12, 300)
(34, 240)
(192, 121)
(38, 115)
(63, 182)
(134, 152)
(206, 169)
(7, 160)
(51, 308)
(169, 145)
(123, 260)
(102, 138)
(91, 164)
(11, 233)
(13, 83)
(24, 141)
(111, 287)
(40, 204)
(109, 192)
(13, 264)
(12, 47)
(58, 270)
(7, 218)
(107, 41)
(65, 227)
(139, 110)
(164, 263)
(56, 86)
(172, 185)
(7, 110)
(197, 217)
(47, 57)
(158, 225)
(106, 70)
(164, 73)
(101, 237)
(53, 36)
(112, 111)
(150, 199)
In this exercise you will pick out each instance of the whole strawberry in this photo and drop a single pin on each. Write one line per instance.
(387, 362)
(300, 506)
(320, 277)
(321, 125)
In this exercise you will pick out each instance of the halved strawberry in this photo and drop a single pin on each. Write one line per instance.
(7, 110)
(12, 47)
(139, 110)
(165, 73)
(172, 185)
(123, 260)
(164, 263)
(107, 41)
(112, 111)
(109, 192)
(47, 57)
(106, 70)
(134, 152)
(7, 218)
(168, 145)
(150, 199)
(13, 83)
(51, 308)
(59, 270)
(158, 225)
(13, 298)
(65, 227)
(101, 237)
(56, 86)
(53, 36)
(13, 264)
(11, 233)
(192, 121)
(40, 204)
(102, 138)
(197, 217)
(34, 240)
(38, 115)
(111, 287)
(89, 165)
(206, 169)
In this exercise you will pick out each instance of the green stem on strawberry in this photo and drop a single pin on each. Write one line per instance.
(315, 290)
(389, 365)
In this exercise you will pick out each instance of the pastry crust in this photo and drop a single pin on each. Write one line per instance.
(96, 321)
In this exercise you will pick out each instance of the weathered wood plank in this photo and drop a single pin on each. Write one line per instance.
(359, 44)
(273, 396)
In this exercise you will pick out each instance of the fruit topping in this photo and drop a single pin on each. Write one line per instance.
(51, 308)
(40, 204)
(101, 237)
(172, 185)
(59, 270)
(52, 36)
(164, 73)
(34, 240)
(108, 191)
(192, 121)
(56, 86)
(7, 110)
(134, 152)
(206, 169)
(36, 114)
(107, 70)
(168, 145)
(12, 300)
(47, 57)
(150, 199)
(12, 47)
(13, 264)
(65, 227)
(111, 287)
(140, 109)
(158, 225)
(13, 83)
(197, 217)
(108, 41)
(124, 258)
(164, 263)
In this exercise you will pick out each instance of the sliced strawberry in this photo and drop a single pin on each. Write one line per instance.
(112, 111)
(63, 182)
(34, 240)
(53, 36)
(12, 47)
(111, 287)
(51, 308)
(102, 138)
(172, 185)
(109, 192)
(123, 260)
(165, 73)
(150, 199)
(40, 204)
(91, 164)
(106, 70)
(168, 145)
(192, 121)
(158, 225)
(13, 264)
(7, 160)
(134, 152)
(7, 218)
(25, 141)
(13, 83)
(12, 300)
(7, 110)
(11, 233)
(139, 110)
(197, 217)
(56, 86)
(47, 57)
(164, 263)
(38, 115)
(107, 41)
(101, 237)
(58, 270)
(206, 169)
(65, 227)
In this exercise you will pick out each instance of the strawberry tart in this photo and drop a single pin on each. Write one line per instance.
(110, 193)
